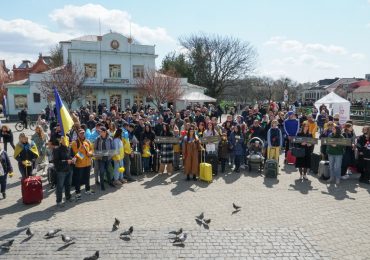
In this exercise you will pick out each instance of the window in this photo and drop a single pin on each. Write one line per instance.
(138, 71)
(20, 101)
(114, 71)
(90, 70)
(36, 98)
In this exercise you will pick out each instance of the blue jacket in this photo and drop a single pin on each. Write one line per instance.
(291, 127)
(238, 146)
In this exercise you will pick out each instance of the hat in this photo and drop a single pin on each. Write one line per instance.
(290, 113)
(103, 128)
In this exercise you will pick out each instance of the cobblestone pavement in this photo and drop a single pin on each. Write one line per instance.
(283, 218)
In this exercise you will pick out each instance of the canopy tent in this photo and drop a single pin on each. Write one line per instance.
(335, 105)
(196, 97)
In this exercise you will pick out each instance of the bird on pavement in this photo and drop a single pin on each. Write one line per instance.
(52, 233)
(116, 222)
(207, 221)
(181, 239)
(29, 233)
(93, 257)
(176, 232)
(67, 239)
(128, 232)
(201, 216)
(236, 207)
(7, 245)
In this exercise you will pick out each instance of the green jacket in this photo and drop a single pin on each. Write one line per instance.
(337, 150)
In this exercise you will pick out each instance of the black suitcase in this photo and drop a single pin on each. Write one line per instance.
(213, 160)
(136, 164)
(52, 174)
(156, 160)
(315, 161)
(271, 169)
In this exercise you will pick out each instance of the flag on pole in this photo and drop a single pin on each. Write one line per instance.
(64, 118)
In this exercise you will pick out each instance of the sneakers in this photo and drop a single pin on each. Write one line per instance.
(301, 177)
(78, 196)
(89, 192)
(4, 195)
(305, 178)
(345, 177)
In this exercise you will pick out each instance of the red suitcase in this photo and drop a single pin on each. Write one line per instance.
(32, 190)
(290, 158)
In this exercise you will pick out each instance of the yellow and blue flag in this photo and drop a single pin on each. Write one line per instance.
(64, 118)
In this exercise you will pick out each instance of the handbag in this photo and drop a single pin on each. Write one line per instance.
(298, 152)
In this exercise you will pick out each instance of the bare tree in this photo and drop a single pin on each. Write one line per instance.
(56, 55)
(218, 61)
(161, 88)
(68, 80)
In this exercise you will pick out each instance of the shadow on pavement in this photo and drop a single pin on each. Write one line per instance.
(303, 186)
(13, 233)
(270, 182)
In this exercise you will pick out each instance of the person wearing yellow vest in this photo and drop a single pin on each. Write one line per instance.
(312, 126)
(118, 158)
(83, 151)
(146, 155)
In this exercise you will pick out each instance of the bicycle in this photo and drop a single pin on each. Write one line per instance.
(19, 126)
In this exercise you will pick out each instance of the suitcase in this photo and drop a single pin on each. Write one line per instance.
(271, 168)
(156, 160)
(52, 174)
(205, 171)
(315, 161)
(32, 190)
(290, 158)
(212, 159)
(324, 171)
(136, 164)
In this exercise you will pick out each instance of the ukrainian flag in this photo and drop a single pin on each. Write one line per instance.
(64, 118)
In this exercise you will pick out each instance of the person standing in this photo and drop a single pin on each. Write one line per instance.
(274, 141)
(104, 143)
(82, 151)
(5, 170)
(304, 163)
(335, 154)
(191, 148)
(166, 151)
(25, 153)
(62, 160)
(7, 136)
(118, 158)
(40, 140)
(291, 128)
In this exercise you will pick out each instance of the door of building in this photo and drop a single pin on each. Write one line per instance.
(115, 99)
(92, 103)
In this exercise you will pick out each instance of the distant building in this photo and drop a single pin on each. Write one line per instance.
(317, 91)
(367, 77)
(23, 71)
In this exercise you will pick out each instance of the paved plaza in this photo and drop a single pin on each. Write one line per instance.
(279, 219)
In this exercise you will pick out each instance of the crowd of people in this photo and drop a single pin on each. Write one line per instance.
(115, 144)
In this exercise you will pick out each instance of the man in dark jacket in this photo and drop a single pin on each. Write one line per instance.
(62, 160)
(6, 168)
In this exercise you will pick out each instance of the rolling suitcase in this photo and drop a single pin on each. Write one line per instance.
(32, 190)
(315, 161)
(52, 174)
(271, 168)
(205, 171)
(136, 164)
(290, 158)
(324, 171)
(156, 160)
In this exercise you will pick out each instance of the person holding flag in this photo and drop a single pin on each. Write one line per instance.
(25, 153)
(64, 118)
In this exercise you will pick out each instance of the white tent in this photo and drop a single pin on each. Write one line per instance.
(197, 97)
(336, 105)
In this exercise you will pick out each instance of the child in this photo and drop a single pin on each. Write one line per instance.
(223, 151)
(274, 141)
(146, 155)
(176, 150)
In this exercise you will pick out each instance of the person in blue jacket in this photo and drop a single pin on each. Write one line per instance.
(237, 146)
(291, 128)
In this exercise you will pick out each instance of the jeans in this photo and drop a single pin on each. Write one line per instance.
(146, 164)
(6, 145)
(238, 159)
(223, 164)
(3, 182)
(83, 177)
(335, 163)
(103, 171)
(64, 180)
(25, 171)
(118, 175)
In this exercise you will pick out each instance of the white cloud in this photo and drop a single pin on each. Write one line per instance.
(287, 45)
(304, 60)
(325, 65)
(358, 55)
(24, 39)
(85, 19)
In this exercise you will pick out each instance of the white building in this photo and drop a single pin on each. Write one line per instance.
(110, 62)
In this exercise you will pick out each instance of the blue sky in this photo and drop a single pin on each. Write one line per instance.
(301, 39)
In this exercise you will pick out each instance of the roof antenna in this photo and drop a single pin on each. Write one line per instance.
(99, 27)
(130, 37)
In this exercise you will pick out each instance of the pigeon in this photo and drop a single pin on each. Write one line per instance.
(128, 232)
(116, 222)
(114, 228)
(207, 221)
(181, 239)
(236, 207)
(201, 216)
(176, 232)
(29, 233)
(52, 233)
(93, 257)
(7, 245)
(67, 239)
